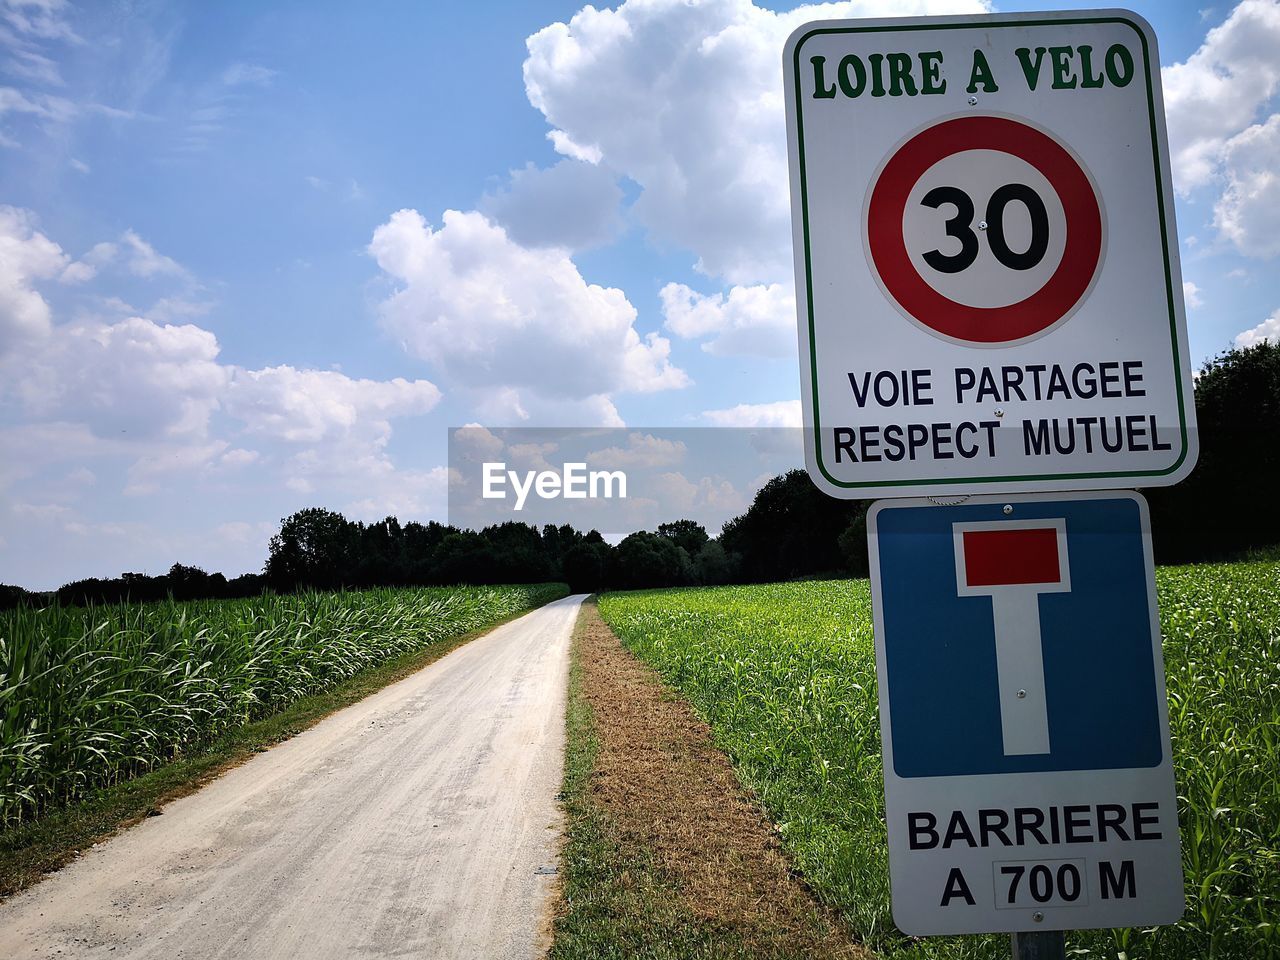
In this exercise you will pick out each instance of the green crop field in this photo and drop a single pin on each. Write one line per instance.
(785, 674)
(92, 696)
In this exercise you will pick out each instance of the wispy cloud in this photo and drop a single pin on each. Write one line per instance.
(39, 105)
(38, 19)
(353, 191)
(250, 74)
(145, 261)
(34, 67)
(35, 37)
(219, 101)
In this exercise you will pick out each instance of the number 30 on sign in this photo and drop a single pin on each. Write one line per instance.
(1010, 273)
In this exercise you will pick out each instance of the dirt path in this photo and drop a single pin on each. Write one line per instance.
(667, 853)
(411, 824)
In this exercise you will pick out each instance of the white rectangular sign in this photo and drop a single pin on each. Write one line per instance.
(987, 278)
(1028, 775)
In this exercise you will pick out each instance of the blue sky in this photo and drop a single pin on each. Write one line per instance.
(229, 290)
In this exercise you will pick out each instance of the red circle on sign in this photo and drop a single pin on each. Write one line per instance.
(984, 325)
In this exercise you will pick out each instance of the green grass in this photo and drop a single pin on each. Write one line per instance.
(93, 697)
(785, 675)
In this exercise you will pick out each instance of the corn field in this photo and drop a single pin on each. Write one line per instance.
(785, 675)
(92, 696)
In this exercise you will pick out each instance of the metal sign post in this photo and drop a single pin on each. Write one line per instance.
(1039, 946)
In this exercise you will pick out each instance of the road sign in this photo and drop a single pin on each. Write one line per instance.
(1028, 778)
(987, 279)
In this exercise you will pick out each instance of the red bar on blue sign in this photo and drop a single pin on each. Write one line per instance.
(994, 558)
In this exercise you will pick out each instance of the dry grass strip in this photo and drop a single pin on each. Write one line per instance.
(666, 790)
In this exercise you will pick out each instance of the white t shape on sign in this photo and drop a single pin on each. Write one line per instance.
(1013, 562)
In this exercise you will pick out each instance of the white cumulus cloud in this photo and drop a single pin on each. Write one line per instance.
(134, 378)
(715, 497)
(475, 440)
(1248, 212)
(1220, 89)
(757, 320)
(159, 395)
(26, 256)
(310, 406)
(782, 413)
(572, 204)
(145, 261)
(518, 327)
(642, 450)
(685, 99)
(1268, 329)
(388, 491)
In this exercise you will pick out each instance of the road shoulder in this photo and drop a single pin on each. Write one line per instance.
(666, 854)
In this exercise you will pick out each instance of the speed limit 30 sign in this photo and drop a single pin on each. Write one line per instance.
(988, 285)
(1022, 287)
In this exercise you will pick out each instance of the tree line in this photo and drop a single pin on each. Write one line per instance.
(1224, 510)
(786, 533)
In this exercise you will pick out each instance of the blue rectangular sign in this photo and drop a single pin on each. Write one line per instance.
(1028, 775)
(1099, 678)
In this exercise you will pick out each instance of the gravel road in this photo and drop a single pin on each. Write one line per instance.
(411, 824)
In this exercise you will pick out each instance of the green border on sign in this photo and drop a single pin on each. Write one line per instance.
(1164, 237)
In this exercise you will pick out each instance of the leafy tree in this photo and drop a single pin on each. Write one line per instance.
(12, 596)
(714, 565)
(312, 549)
(463, 557)
(557, 541)
(376, 557)
(686, 534)
(192, 583)
(418, 545)
(247, 585)
(1227, 506)
(791, 530)
(517, 554)
(584, 566)
(853, 547)
(647, 560)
